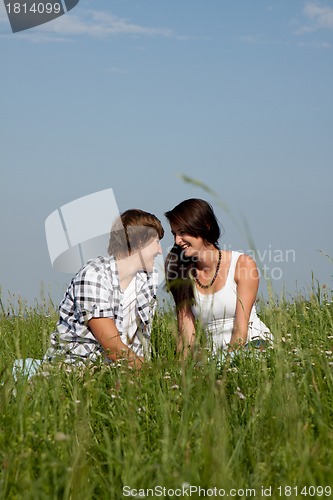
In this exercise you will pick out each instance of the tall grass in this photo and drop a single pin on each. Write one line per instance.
(256, 421)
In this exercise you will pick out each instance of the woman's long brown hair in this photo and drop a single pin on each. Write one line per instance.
(195, 217)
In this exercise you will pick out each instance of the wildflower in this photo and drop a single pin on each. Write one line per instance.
(328, 353)
(185, 485)
(234, 369)
(61, 436)
(239, 393)
(175, 386)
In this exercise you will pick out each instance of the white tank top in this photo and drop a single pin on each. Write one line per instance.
(217, 311)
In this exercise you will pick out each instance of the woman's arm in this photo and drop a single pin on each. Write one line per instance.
(106, 333)
(186, 331)
(247, 280)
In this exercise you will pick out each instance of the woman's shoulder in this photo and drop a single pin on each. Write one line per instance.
(239, 257)
(245, 267)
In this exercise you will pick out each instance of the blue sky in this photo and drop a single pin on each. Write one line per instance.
(129, 94)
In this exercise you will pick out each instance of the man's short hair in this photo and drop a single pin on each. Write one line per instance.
(133, 230)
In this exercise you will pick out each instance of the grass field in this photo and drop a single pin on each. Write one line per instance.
(256, 426)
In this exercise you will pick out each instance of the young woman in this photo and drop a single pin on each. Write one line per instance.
(217, 288)
(108, 307)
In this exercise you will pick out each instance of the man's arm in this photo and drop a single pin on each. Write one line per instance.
(106, 333)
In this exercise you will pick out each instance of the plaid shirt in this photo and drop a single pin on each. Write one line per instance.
(95, 292)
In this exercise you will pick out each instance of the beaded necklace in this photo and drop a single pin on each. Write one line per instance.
(205, 287)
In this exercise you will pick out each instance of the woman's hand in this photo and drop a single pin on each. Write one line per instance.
(186, 329)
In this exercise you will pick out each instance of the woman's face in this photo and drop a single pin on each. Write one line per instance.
(191, 245)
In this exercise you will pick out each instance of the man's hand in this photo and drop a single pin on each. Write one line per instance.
(106, 333)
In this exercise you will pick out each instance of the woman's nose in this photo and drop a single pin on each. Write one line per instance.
(177, 239)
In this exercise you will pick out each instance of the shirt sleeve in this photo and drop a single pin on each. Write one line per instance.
(93, 295)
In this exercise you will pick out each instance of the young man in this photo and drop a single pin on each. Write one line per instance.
(108, 307)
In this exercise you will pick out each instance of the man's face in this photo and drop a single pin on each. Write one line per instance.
(149, 252)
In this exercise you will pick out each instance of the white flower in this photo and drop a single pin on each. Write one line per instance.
(60, 436)
(239, 393)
